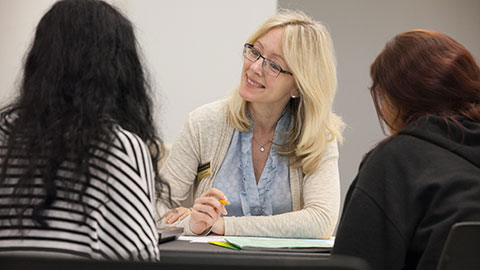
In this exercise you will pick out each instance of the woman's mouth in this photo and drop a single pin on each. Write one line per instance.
(253, 83)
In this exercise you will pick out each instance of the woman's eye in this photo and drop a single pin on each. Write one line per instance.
(255, 53)
(275, 66)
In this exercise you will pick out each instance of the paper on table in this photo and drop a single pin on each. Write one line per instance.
(279, 243)
(202, 239)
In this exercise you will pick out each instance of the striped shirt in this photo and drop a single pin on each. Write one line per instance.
(119, 220)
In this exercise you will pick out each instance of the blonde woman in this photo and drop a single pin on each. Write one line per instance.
(270, 149)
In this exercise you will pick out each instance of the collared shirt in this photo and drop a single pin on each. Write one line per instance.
(236, 177)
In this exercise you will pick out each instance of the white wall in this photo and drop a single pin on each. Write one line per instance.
(17, 21)
(192, 48)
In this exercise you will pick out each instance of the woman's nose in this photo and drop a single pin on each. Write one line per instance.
(257, 66)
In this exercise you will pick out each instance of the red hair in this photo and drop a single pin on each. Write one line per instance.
(425, 72)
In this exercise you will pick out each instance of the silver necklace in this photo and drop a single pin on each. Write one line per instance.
(262, 147)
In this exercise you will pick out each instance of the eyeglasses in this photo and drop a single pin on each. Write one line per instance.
(270, 67)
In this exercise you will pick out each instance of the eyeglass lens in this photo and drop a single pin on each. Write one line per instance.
(268, 65)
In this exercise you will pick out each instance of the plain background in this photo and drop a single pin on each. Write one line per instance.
(193, 50)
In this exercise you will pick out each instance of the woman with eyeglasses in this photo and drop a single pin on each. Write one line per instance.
(425, 176)
(270, 149)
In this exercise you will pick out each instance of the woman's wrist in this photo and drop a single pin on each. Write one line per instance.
(219, 226)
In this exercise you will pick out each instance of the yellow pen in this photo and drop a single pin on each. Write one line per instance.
(224, 202)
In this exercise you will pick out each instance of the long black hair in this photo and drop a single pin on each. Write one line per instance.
(82, 77)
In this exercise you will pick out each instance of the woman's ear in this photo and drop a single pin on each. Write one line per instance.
(295, 93)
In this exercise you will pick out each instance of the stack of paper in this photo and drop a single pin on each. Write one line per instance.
(277, 244)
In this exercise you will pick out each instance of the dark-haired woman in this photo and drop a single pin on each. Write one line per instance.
(425, 176)
(77, 145)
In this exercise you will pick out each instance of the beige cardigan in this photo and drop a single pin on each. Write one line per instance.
(206, 138)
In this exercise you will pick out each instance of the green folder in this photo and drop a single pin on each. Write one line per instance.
(281, 244)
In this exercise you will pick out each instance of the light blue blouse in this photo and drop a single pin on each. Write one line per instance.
(236, 177)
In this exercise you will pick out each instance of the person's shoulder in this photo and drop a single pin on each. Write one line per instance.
(331, 149)
(4, 127)
(400, 144)
(392, 159)
(395, 151)
(126, 141)
(214, 111)
(425, 136)
(128, 151)
(7, 119)
(124, 135)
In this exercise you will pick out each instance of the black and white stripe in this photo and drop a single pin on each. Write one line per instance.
(119, 222)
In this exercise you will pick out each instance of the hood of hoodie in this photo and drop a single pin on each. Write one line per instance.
(462, 138)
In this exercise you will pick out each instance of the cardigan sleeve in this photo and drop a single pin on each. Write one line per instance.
(202, 140)
(318, 215)
(180, 169)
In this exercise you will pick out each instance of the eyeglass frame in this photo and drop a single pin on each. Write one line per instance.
(251, 47)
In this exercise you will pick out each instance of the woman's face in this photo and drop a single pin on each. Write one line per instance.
(256, 85)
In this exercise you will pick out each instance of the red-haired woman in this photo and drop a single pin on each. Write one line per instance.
(425, 176)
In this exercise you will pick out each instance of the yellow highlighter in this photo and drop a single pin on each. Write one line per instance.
(224, 202)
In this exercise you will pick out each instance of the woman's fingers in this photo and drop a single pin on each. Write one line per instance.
(213, 192)
(170, 213)
(202, 218)
(224, 210)
(208, 205)
(206, 210)
(184, 216)
(175, 214)
(218, 194)
(171, 219)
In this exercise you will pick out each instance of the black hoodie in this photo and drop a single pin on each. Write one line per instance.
(408, 193)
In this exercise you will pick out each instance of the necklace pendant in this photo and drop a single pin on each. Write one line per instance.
(262, 149)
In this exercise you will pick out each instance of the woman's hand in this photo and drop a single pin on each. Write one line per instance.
(206, 211)
(179, 213)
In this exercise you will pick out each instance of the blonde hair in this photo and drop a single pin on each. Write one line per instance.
(309, 55)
